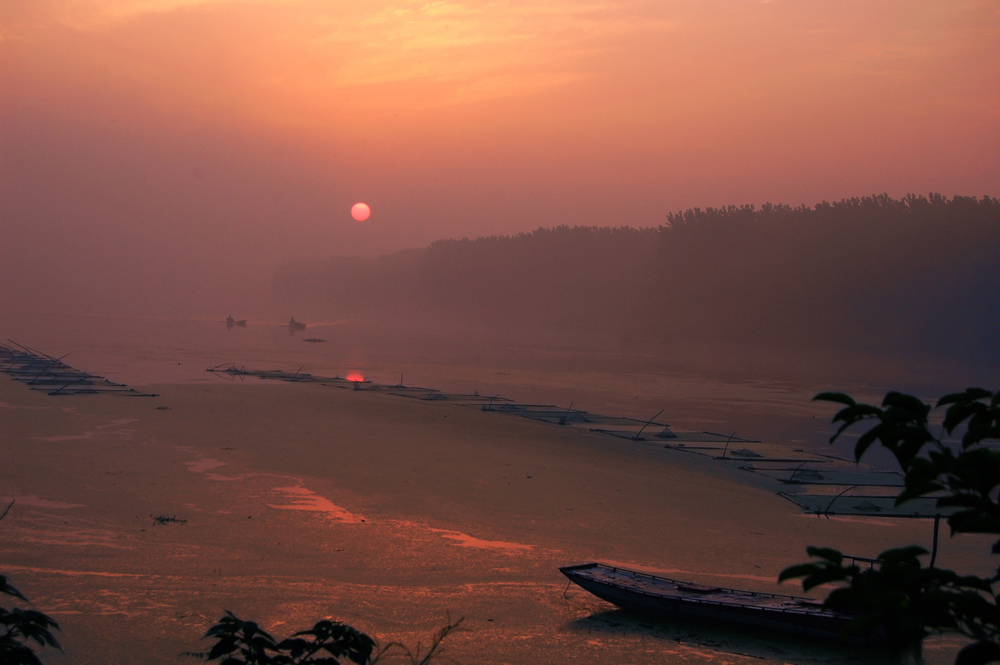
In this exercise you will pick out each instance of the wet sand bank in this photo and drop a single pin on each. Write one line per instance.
(298, 502)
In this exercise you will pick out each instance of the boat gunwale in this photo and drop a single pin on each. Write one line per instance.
(811, 607)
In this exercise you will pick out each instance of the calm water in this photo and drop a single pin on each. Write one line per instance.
(769, 399)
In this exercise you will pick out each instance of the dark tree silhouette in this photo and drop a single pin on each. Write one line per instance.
(910, 277)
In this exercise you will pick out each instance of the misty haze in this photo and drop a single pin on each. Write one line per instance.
(385, 313)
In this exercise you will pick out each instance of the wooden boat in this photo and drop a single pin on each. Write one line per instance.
(651, 594)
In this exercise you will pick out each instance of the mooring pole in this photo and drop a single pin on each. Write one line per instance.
(728, 441)
(639, 433)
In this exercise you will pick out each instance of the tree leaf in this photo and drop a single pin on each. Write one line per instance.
(864, 442)
(968, 395)
(8, 589)
(913, 406)
(828, 553)
(798, 570)
(839, 398)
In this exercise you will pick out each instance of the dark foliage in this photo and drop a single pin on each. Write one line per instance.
(239, 642)
(19, 628)
(963, 473)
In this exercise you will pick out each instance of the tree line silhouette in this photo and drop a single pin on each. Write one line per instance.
(916, 275)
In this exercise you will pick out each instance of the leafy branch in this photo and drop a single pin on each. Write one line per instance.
(239, 642)
(906, 599)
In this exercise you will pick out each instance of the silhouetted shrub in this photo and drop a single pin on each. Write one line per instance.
(239, 642)
(907, 599)
(18, 628)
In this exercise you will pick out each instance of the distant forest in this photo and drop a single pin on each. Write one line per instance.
(916, 276)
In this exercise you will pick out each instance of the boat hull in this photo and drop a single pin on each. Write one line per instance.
(636, 591)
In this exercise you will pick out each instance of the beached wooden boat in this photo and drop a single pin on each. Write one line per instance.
(651, 594)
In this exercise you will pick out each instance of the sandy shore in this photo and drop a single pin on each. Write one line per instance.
(296, 502)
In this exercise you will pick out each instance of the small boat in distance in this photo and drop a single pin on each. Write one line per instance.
(294, 325)
(637, 591)
(231, 322)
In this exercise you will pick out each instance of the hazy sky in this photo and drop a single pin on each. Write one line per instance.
(156, 145)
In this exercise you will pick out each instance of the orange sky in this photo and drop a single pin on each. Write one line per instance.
(163, 142)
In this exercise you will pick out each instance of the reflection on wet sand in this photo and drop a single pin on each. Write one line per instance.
(305, 499)
(465, 540)
(206, 464)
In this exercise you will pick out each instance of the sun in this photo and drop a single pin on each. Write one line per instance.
(360, 211)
